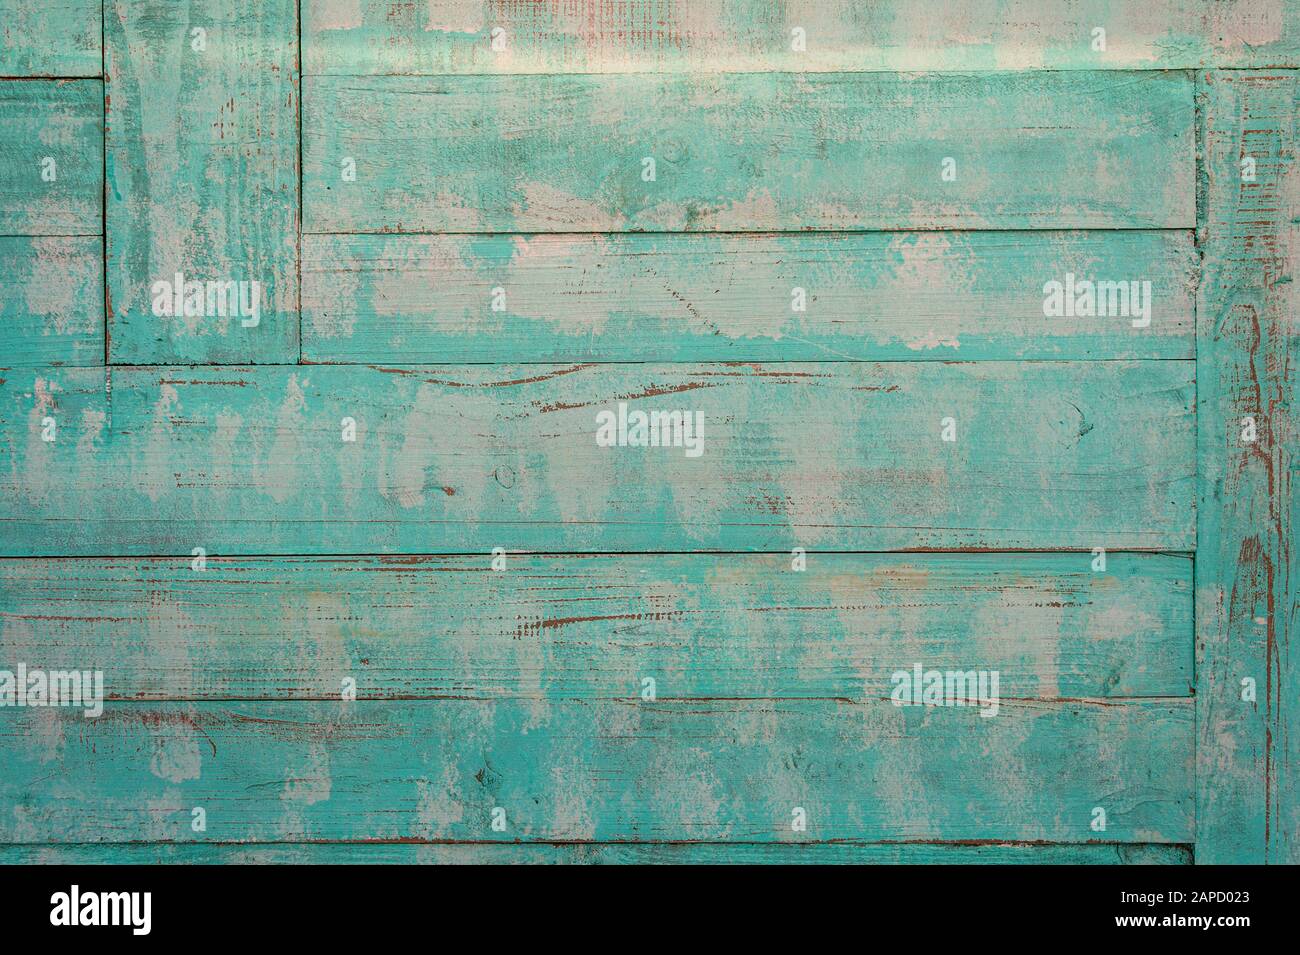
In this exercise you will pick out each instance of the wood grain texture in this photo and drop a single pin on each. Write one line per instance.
(591, 627)
(202, 161)
(591, 36)
(1246, 573)
(627, 853)
(51, 300)
(748, 152)
(838, 456)
(713, 770)
(51, 39)
(51, 157)
(970, 296)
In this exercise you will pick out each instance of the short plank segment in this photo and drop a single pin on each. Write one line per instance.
(51, 157)
(591, 36)
(747, 152)
(1246, 571)
(203, 177)
(51, 38)
(627, 853)
(592, 627)
(836, 456)
(712, 770)
(51, 300)
(870, 296)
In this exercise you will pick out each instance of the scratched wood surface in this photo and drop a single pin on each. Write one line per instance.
(590, 627)
(674, 297)
(51, 157)
(747, 152)
(591, 36)
(838, 455)
(202, 161)
(51, 39)
(1247, 577)
(600, 770)
(805, 273)
(52, 300)
(592, 853)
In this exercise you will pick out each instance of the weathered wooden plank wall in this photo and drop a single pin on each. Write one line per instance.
(907, 458)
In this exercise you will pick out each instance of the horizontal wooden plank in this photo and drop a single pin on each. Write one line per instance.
(51, 157)
(626, 853)
(51, 300)
(836, 456)
(587, 627)
(626, 771)
(978, 295)
(39, 38)
(589, 36)
(202, 161)
(747, 152)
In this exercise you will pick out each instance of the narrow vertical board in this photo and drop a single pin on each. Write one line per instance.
(747, 152)
(51, 300)
(51, 157)
(1247, 578)
(202, 160)
(51, 38)
(835, 456)
(630, 770)
(746, 626)
(595, 853)
(794, 297)
(592, 36)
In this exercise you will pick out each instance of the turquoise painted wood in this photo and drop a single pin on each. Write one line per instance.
(51, 39)
(51, 157)
(202, 160)
(839, 853)
(589, 627)
(51, 300)
(630, 770)
(872, 296)
(831, 456)
(589, 36)
(747, 152)
(1247, 579)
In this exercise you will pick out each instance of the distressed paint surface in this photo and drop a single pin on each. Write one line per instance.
(591, 627)
(665, 297)
(59, 38)
(841, 455)
(519, 169)
(202, 160)
(51, 300)
(627, 853)
(748, 152)
(51, 120)
(1247, 580)
(603, 770)
(594, 36)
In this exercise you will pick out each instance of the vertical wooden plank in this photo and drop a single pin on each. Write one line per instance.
(202, 162)
(1248, 715)
(51, 38)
